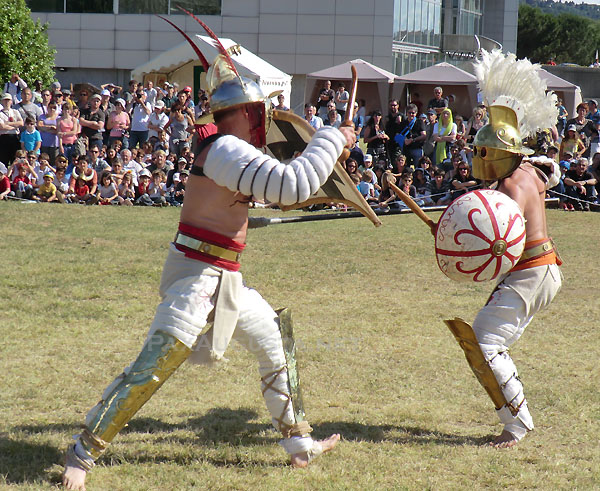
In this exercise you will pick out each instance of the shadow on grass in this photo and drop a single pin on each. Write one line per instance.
(24, 462)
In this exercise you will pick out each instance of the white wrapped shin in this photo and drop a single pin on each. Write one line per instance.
(239, 166)
(515, 415)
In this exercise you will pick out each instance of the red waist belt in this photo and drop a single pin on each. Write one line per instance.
(209, 247)
(538, 253)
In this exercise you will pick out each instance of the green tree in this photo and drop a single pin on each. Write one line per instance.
(24, 45)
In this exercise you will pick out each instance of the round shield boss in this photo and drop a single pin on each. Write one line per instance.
(480, 236)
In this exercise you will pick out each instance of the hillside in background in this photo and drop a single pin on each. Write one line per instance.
(550, 7)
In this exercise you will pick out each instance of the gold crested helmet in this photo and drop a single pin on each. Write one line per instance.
(498, 146)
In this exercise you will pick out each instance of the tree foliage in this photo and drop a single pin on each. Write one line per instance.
(551, 7)
(566, 38)
(24, 45)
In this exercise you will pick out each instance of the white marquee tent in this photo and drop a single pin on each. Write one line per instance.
(177, 65)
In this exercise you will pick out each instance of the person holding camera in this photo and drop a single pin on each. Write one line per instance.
(139, 120)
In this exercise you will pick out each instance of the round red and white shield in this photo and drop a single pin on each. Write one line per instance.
(480, 236)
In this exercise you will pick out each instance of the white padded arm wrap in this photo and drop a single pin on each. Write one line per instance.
(239, 166)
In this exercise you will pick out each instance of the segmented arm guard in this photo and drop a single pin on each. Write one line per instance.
(239, 166)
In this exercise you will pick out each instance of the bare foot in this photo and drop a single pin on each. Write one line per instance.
(504, 440)
(74, 476)
(302, 459)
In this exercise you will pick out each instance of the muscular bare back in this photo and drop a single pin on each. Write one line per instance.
(528, 190)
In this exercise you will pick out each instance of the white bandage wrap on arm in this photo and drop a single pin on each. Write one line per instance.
(239, 166)
(551, 179)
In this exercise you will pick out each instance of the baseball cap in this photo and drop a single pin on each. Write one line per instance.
(187, 88)
(105, 92)
(6, 95)
(593, 101)
(3, 169)
(49, 174)
(368, 158)
(159, 104)
(572, 127)
(431, 111)
(184, 172)
(182, 159)
(66, 92)
(120, 101)
(95, 96)
(145, 172)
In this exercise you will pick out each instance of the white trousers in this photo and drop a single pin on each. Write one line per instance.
(516, 299)
(188, 289)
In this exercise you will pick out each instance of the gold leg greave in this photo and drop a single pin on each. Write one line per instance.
(467, 340)
(161, 355)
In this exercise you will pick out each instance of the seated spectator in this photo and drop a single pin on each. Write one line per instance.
(31, 140)
(352, 168)
(333, 119)
(309, 115)
(61, 180)
(387, 197)
(580, 186)
(41, 168)
(173, 175)
(141, 195)
(80, 193)
(438, 190)
(366, 187)
(5, 190)
(463, 181)
(461, 131)
(87, 174)
(159, 162)
(47, 191)
(96, 161)
(107, 193)
(421, 182)
(406, 184)
(22, 185)
(571, 143)
(583, 126)
(157, 189)
(366, 164)
(399, 165)
(474, 124)
(357, 154)
(425, 164)
(178, 194)
(127, 189)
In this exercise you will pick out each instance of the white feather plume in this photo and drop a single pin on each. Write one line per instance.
(517, 84)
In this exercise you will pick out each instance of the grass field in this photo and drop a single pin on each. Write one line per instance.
(78, 290)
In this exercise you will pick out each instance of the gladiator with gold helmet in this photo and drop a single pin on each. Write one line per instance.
(519, 106)
(204, 301)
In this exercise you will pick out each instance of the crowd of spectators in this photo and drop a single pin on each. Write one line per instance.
(134, 145)
(120, 146)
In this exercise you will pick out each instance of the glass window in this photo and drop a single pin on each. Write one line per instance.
(410, 17)
(197, 7)
(403, 20)
(46, 5)
(87, 7)
(143, 6)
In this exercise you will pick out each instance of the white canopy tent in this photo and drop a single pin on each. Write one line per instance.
(565, 90)
(177, 65)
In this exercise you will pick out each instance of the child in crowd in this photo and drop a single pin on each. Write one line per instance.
(157, 189)
(22, 185)
(61, 181)
(141, 194)
(163, 141)
(82, 192)
(127, 189)
(406, 184)
(47, 191)
(571, 143)
(387, 197)
(438, 190)
(179, 191)
(43, 166)
(31, 138)
(5, 190)
(366, 187)
(107, 191)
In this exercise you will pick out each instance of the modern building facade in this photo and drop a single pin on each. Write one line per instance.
(101, 41)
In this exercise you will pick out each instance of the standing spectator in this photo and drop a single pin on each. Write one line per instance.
(27, 108)
(37, 91)
(438, 103)
(415, 99)
(82, 101)
(157, 122)
(169, 97)
(31, 140)
(358, 121)
(180, 127)
(10, 122)
(58, 99)
(68, 100)
(583, 126)
(14, 87)
(460, 127)
(412, 132)
(139, 120)
(118, 124)
(92, 122)
(474, 124)
(129, 94)
(280, 103)
(429, 144)
(47, 127)
(309, 115)
(561, 122)
(594, 114)
(107, 107)
(341, 100)
(393, 123)
(151, 93)
(325, 95)
(444, 133)
(580, 186)
(68, 129)
(375, 137)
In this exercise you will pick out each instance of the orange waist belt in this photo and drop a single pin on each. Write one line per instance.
(538, 253)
